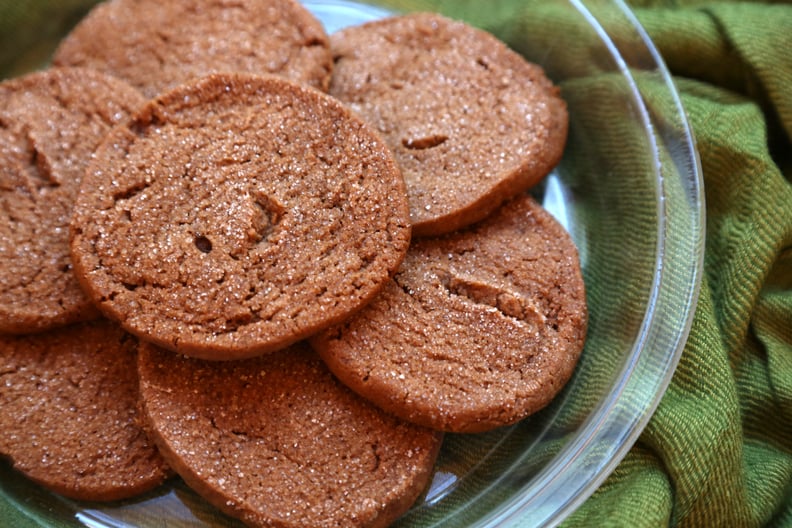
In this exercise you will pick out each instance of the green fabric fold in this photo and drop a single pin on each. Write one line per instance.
(718, 450)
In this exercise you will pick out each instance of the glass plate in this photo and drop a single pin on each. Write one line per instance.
(629, 191)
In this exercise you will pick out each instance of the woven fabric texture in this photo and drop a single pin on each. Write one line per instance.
(718, 450)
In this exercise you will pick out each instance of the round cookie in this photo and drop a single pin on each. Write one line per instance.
(470, 121)
(70, 417)
(478, 329)
(157, 45)
(238, 215)
(50, 123)
(277, 441)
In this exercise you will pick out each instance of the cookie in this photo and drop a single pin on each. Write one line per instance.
(470, 121)
(277, 441)
(478, 329)
(70, 412)
(157, 45)
(50, 123)
(238, 215)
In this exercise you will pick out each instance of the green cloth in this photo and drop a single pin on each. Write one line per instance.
(718, 450)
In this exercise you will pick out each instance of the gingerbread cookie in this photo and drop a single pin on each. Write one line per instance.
(470, 121)
(50, 123)
(157, 45)
(277, 441)
(69, 420)
(478, 329)
(238, 215)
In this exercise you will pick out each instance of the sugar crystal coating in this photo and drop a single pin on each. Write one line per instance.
(70, 416)
(277, 441)
(470, 121)
(478, 329)
(50, 123)
(156, 45)
(237, 215)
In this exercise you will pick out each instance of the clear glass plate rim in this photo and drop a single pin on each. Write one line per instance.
(529, 505)
(517, 511)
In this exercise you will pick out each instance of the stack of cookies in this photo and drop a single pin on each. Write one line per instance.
(275, 263)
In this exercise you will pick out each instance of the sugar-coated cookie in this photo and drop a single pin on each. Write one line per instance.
(478, 329)
(237, 215)
(70, 418)
(50, 123)
(470, 121)
(278, 441)
(156, 45)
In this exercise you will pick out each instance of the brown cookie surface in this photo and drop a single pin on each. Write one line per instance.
(69, 420)
(50, 123)
(478, 329)
(238, 215)
(277, 441)
(157, 45)
(470, 121)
